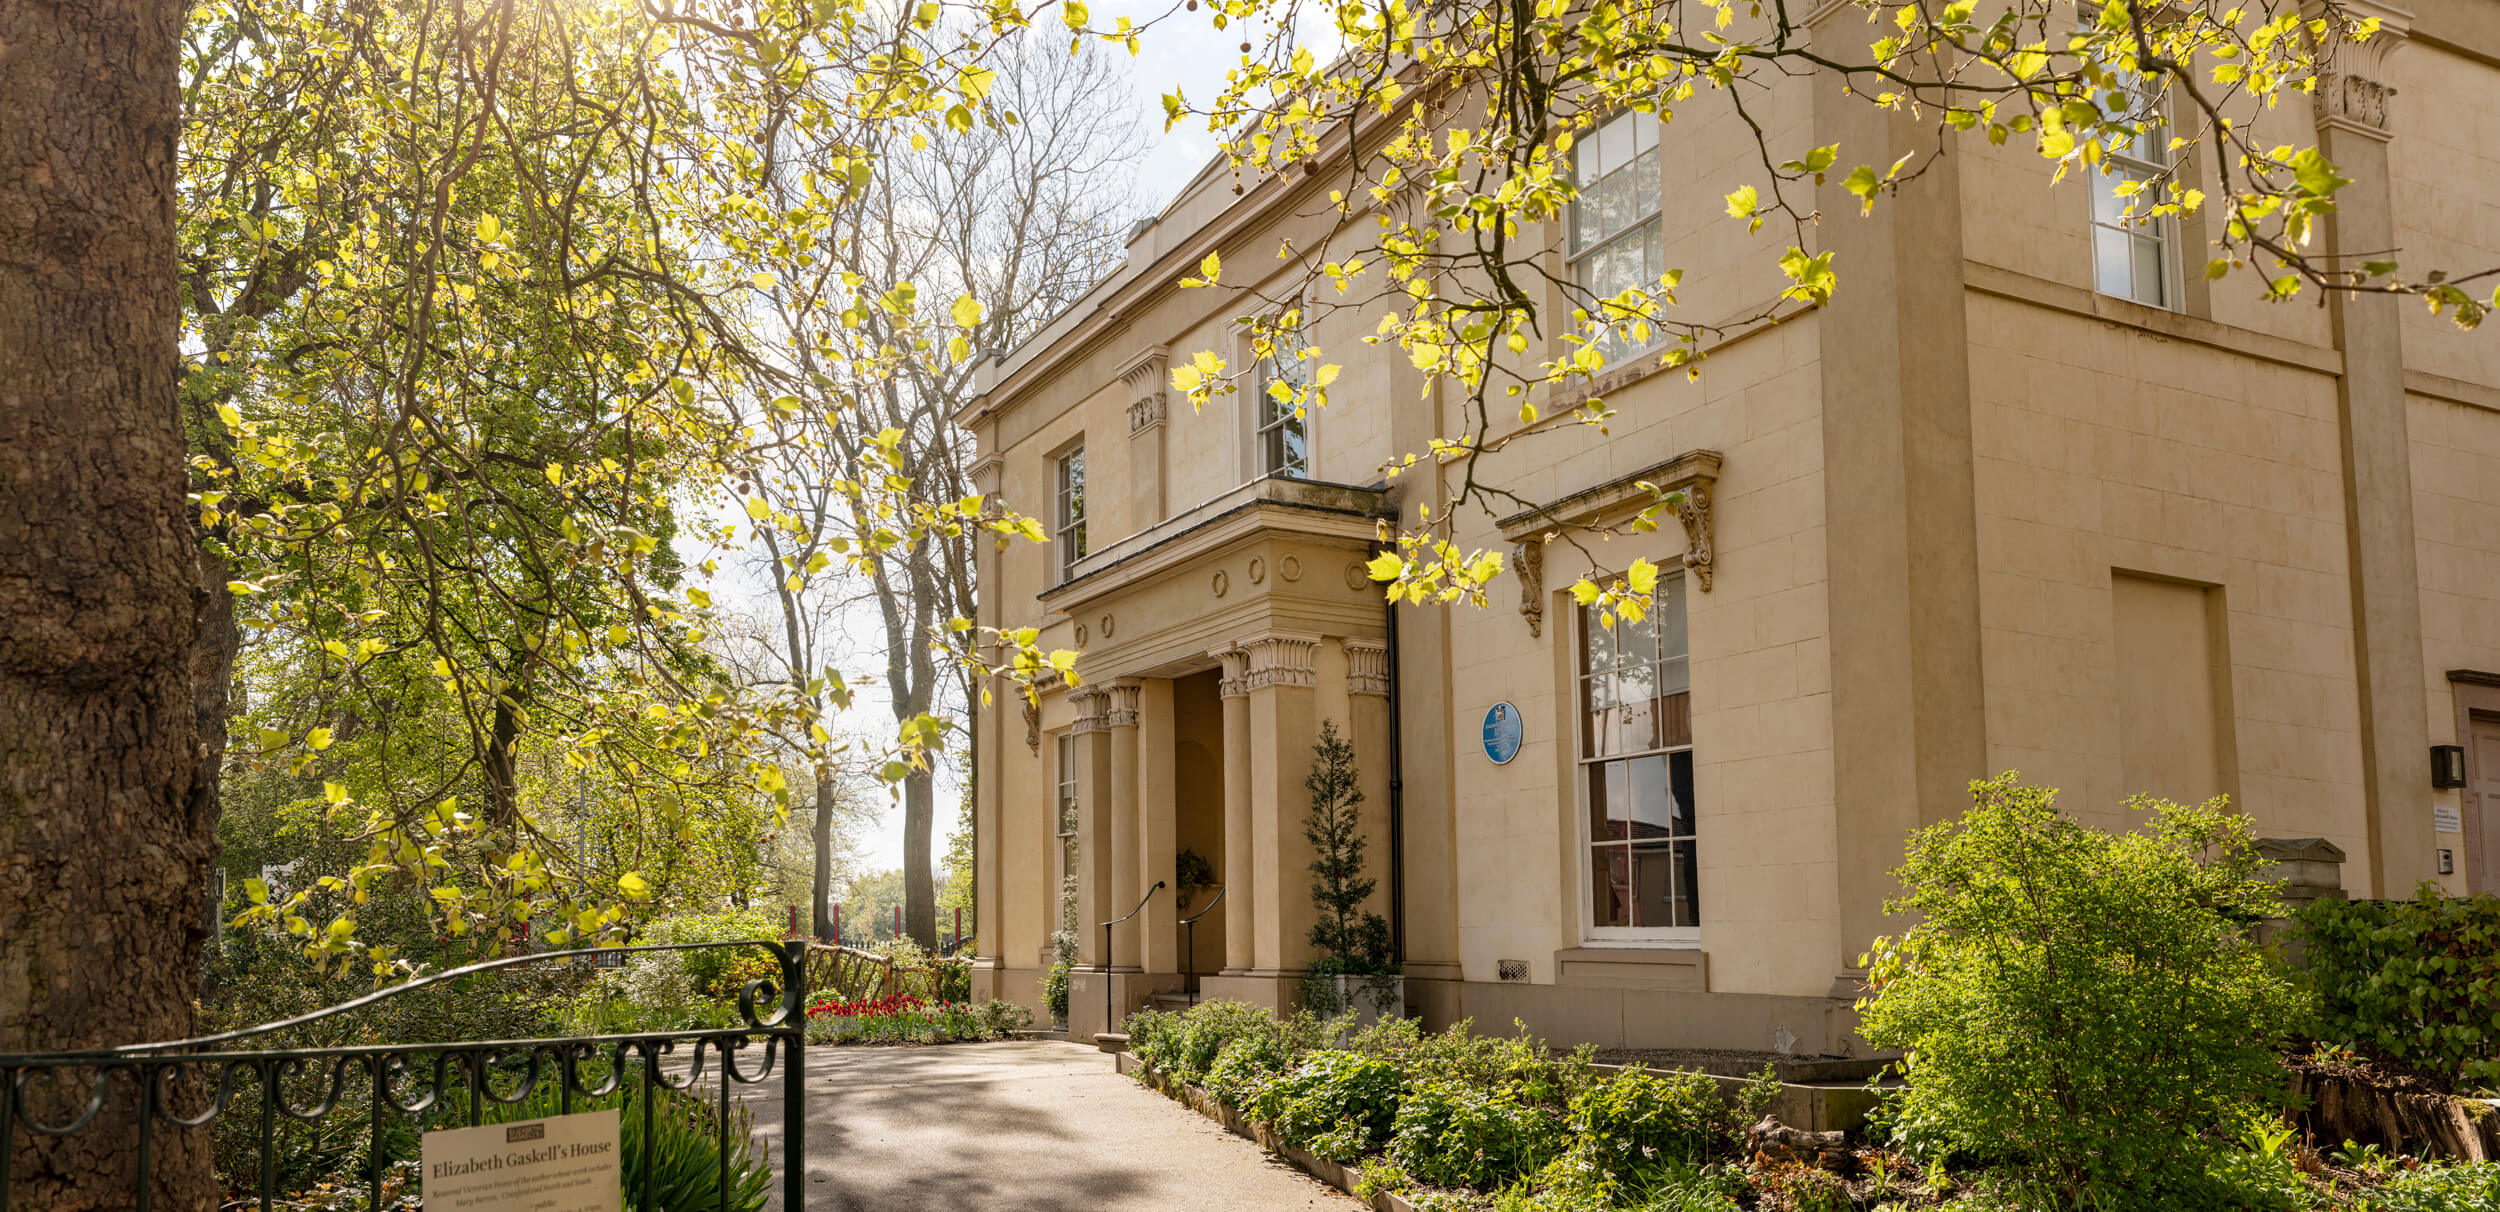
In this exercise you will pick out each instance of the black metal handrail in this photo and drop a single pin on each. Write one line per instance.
(1107, 1024)
(1189, 953)
(783, 1034)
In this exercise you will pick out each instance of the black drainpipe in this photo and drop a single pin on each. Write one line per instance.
(1397, 801)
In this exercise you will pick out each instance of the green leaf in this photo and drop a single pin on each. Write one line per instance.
(2316, 174)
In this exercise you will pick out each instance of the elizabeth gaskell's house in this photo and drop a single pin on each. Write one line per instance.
(2029, 494)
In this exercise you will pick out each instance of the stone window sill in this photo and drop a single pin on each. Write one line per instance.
(1652, 966)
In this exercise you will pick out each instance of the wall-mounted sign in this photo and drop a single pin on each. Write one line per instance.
(564, 1163)
(2446, 819)
(1501, 733)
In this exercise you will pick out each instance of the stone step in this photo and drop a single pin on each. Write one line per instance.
(1111, 1041)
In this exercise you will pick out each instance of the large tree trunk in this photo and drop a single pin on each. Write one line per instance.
(104, 828)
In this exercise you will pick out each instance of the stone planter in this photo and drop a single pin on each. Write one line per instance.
(1370, 999)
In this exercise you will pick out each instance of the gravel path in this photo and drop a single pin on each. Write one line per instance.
(1030, 1126)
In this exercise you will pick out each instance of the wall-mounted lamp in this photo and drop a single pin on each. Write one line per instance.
(2447, 766)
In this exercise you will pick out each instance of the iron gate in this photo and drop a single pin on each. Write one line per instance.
(414, 1080)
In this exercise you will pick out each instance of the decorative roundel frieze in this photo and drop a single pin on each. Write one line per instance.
(1290, 568)
(1080, 635)
(1258, 570)
(1106, 626)
(1221, 583)
(1356, 576)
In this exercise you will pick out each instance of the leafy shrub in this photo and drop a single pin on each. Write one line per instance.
(1636, 1121)
(2419, 978)
(1520, 1063)
(2080, 1003)
(1185, 1045)
(1246, 1062)
(2439, 1187)
(685, 1146)
(1055, 991)
(1340, 1105)
(1454, 1135)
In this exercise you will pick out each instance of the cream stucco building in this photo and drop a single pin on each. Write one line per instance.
(2024, 496)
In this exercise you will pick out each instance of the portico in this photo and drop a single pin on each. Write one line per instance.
(1212, 647)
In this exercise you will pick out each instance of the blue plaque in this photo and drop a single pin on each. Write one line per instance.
(1501, 733)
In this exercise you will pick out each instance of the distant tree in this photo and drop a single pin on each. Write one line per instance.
(1350, 937)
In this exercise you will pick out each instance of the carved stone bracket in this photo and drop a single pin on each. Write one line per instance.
(1531, 561)
(1123, 709)
(2354, 79)
(1281, 659)
(1031, 705)
(1693, 474)
(984, 473)
(1701, 547)
(1146, 376)
(1367, 667)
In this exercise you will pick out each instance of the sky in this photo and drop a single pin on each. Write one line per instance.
(1183, 51)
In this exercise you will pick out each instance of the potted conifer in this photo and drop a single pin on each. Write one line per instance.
(1355, 971)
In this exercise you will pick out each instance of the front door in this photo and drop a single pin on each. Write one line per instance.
(2483, 804)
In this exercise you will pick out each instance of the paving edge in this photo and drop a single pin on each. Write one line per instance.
(1341, 1177)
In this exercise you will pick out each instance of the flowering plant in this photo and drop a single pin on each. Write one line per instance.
(867, 1007)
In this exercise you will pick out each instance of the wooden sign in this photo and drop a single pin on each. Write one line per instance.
(565, 1163)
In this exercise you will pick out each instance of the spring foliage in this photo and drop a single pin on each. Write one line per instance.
(2419, 978)
(2080, 1003)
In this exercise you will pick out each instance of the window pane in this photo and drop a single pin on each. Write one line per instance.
(2107, 206)
(1675, 718)
(1653, 886)
(1687, 886)
(1636, 709)
(1667, 618)
(1609, 802)
(2112, 271)
(1680, 783)
(1614, 143)
(2148, 276)
(1597, 715)
(1597, 643)
(1611, 881)
(1653, 811)
(1637, 640)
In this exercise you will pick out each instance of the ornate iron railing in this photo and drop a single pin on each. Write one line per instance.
(199, 1071)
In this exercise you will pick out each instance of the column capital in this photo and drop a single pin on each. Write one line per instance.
(1093, 709)
(1281, 658)
(1122, 710)
(1235, 682)
(2355, 79)
(1367, 667)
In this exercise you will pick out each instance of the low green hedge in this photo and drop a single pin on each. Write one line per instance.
(2419, 979)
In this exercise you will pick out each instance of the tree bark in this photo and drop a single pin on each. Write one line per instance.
(105, 825)
(820, 889)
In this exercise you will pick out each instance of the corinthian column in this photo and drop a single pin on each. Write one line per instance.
(1241, 896)
(1126, 829)
(1092, 735)
(1281, 676)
